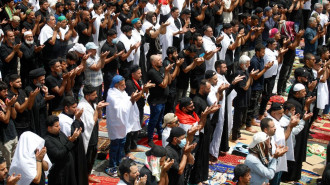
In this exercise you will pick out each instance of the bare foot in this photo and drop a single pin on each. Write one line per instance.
(212, 159)
(221, 153)
(92, 180)
(250, 129)
(138, 150)
(131, 156)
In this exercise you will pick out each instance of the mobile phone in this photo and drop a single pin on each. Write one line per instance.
(201, 55)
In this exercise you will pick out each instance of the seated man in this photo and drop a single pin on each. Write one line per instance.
(4, 178)
(170, 121)
(129, 173)
(242, 174)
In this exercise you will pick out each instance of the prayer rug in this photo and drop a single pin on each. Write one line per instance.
(105, 180)
(146, 118)
(144, 141)
(103, 126)
(308, 177)
(231, 159)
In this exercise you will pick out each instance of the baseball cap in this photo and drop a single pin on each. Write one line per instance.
(258, 138)
(168, 118)
(91, 45)
(157, 151)
(175, 132)
(300, 72)
(209, 74)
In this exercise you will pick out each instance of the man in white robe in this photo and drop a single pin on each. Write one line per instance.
(122, 118)
(89, 117)
(137, 35)
(174, 33)
(210, 45)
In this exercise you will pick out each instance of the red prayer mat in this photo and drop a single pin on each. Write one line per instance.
(105, 180)
(144, 141)
(231, 159)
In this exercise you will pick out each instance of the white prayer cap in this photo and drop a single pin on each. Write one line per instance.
(79, 48)
(258, 138)
(298, 87)
(27, 33)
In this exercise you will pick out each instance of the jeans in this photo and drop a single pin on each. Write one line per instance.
(277, 179)
(116, 152)
(156, 118)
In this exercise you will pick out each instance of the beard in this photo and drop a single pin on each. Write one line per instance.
(59, 73)
(93, 101)
(29, 42)
(223, 73)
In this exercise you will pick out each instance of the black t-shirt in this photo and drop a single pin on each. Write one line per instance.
(195, 12)
(9, 27)
(197, 74)
(209, 16)
(83, 39)
(114, 64)
(157, 95)
(123, 17)
(43, 15)
(79, 79)
(103, 32)
(7, 131)
(174, 152)
(131, 87)
(218, 19)
(183, 78)
(27, 25)
(172, 86)
(243, 97)
(22, 119)
(10, 67)
(151, 180)
(55, 103)
(22, 7)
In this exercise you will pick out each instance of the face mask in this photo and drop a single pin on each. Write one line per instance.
(114, 41)
(182, 143)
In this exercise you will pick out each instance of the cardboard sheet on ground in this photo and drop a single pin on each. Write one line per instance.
(314, 159)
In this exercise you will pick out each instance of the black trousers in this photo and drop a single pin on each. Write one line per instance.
(267, 93)
(170, 103)
(253, 107)
(240, 114)
(91, 156)
(283, 77)
(131, 142)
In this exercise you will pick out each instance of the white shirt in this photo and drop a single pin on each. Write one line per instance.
(227, 16)
(165, 135)
(269, 57)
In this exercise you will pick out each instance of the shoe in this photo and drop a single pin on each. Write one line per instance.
(159, 137)
(111, 172)
(151, 143)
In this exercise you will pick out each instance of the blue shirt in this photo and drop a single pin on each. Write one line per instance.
(310, 33)
(257, 63)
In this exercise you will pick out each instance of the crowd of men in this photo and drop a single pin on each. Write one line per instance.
(65, 64)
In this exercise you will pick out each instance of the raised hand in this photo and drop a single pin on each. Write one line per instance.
(75, 134)
(12, 101)
(12, 179)
(35, 92)
(223, 87)
(149, 85)
(102, 104)
(92, 20)
(189, 147)
(307, 116)
(41, 153)
(192, 131)
(142, 180)
(294, 120)
(254, 72)
(269, 65)
(237, 79)
(78, 114)
(179, 62)
(169, 67)
(119, 54)
(38, 48)
(167, 164)
(104, 54)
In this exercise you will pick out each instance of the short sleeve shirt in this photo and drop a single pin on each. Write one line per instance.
(83, 39)
(158, 95)
(92, 77)
(52, 82)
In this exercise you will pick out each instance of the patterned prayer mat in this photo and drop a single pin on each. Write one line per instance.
(105, 180)
(144, 141)
(231, 159)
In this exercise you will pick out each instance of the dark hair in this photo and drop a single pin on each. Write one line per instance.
(240, 171)
(68, 101)
(307, 56)
(264, 123)
(205, 27)
(245, 15)
(191, 49)
(88, 89)
(254, 17)
(111, 32)
(13, 77)
(234, 22)
(218, 63)
(72, 56)
(51, 120)
(125, 166)
(96, 6)
(321, 50)
(41, 2)
(53, 62)
(134, 68)
(3, 86)
(203, 82)
(259, 47)
(2, 160)
(287, 106)
(143, 1)
(126, 28)
(195, 36)
(173, 9)
(58, 4)
(170, 50)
